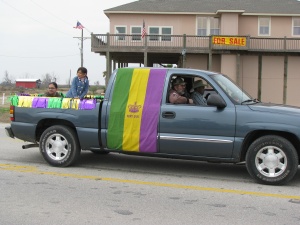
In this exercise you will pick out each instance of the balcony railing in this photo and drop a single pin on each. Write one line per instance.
(191, 43)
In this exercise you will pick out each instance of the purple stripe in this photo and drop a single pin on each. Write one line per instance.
(151, 110)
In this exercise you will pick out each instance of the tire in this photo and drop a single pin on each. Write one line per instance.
(59, 146)
(272, 160)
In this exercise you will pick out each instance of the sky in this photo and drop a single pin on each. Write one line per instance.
(37, 38)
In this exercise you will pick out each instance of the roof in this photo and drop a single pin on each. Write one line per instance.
(264, 7)
(26, 80)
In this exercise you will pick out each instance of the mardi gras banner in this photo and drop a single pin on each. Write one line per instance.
(135, 108)
(53, 102)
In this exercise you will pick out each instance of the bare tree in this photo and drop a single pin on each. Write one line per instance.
(46, 79)
(54, 78)
(27, 76)
(93, 89)
(7, 80)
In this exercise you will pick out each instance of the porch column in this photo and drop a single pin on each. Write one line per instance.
(259, 77)
(183, 53)
(114, 64)
(145, 58)
(210, 53)
(108, 67)
(285, 74)
(238, 65)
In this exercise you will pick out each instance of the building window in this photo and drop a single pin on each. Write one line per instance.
(296, 26)
(208, 26)
(166, 33)
(153, 32)
(264, 26)
(160, 33)
(136, 33)
(214, 26)
(120, 31)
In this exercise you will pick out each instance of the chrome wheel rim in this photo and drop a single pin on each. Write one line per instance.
(57, 147)
(271, 161)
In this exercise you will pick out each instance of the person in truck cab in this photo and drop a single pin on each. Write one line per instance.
(197, 95)
(177, 93)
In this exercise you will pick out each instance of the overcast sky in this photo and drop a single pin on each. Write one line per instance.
(37, 37)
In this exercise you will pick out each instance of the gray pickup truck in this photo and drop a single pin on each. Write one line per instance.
(135, 117)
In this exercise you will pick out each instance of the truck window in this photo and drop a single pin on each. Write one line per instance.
(179, 89)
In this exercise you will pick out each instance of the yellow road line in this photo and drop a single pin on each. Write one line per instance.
(33, 169)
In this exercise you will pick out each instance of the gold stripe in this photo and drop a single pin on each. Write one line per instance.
(132, 121)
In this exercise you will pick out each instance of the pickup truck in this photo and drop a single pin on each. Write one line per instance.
(135, 117)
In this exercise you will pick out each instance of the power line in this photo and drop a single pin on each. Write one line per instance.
(34, 18)
(52, 14)
(37, 57)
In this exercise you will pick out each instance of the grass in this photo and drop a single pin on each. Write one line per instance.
(4, 113)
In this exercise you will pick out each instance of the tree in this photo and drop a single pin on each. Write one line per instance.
(48, 79)
(7, 80)
(93, 89)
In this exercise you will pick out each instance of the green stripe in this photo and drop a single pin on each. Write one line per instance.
(118, 108)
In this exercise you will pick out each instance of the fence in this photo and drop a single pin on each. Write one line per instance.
(4, 99)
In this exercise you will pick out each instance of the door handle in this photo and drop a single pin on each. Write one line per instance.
(168, 115)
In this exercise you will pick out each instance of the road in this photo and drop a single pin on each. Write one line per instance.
(122, 189)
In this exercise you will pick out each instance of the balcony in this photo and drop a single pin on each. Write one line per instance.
(102, 43)
(170, 48)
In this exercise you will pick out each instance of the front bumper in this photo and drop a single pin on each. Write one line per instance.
(9, 132)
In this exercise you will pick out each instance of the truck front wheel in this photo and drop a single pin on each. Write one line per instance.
(272, 160)
(59, 146)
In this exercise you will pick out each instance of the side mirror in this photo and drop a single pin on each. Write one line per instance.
(216, 100)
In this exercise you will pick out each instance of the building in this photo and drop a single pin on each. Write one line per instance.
(28, 83)
(255, 42)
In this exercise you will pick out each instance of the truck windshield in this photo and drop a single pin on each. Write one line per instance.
(231, 89)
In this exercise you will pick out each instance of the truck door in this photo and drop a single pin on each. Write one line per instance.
(194, 130)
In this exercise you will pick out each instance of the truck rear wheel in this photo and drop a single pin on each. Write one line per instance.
(272, 160)
(59, 146)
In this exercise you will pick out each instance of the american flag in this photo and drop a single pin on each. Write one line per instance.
(79, 25)
(144, 30)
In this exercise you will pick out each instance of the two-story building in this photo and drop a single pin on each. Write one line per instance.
(255, 42)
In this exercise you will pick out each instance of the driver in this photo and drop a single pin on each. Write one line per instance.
(176, 95)
(197, 95)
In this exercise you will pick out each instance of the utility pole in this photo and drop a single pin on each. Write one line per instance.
(81, 49)
(81, 46)
(70, 79)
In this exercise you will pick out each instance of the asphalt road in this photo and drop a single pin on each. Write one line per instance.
(122, 189)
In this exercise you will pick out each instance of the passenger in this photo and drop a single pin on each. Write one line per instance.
(197, 95)
(80, 84)
(177, 94)
(52, 90)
